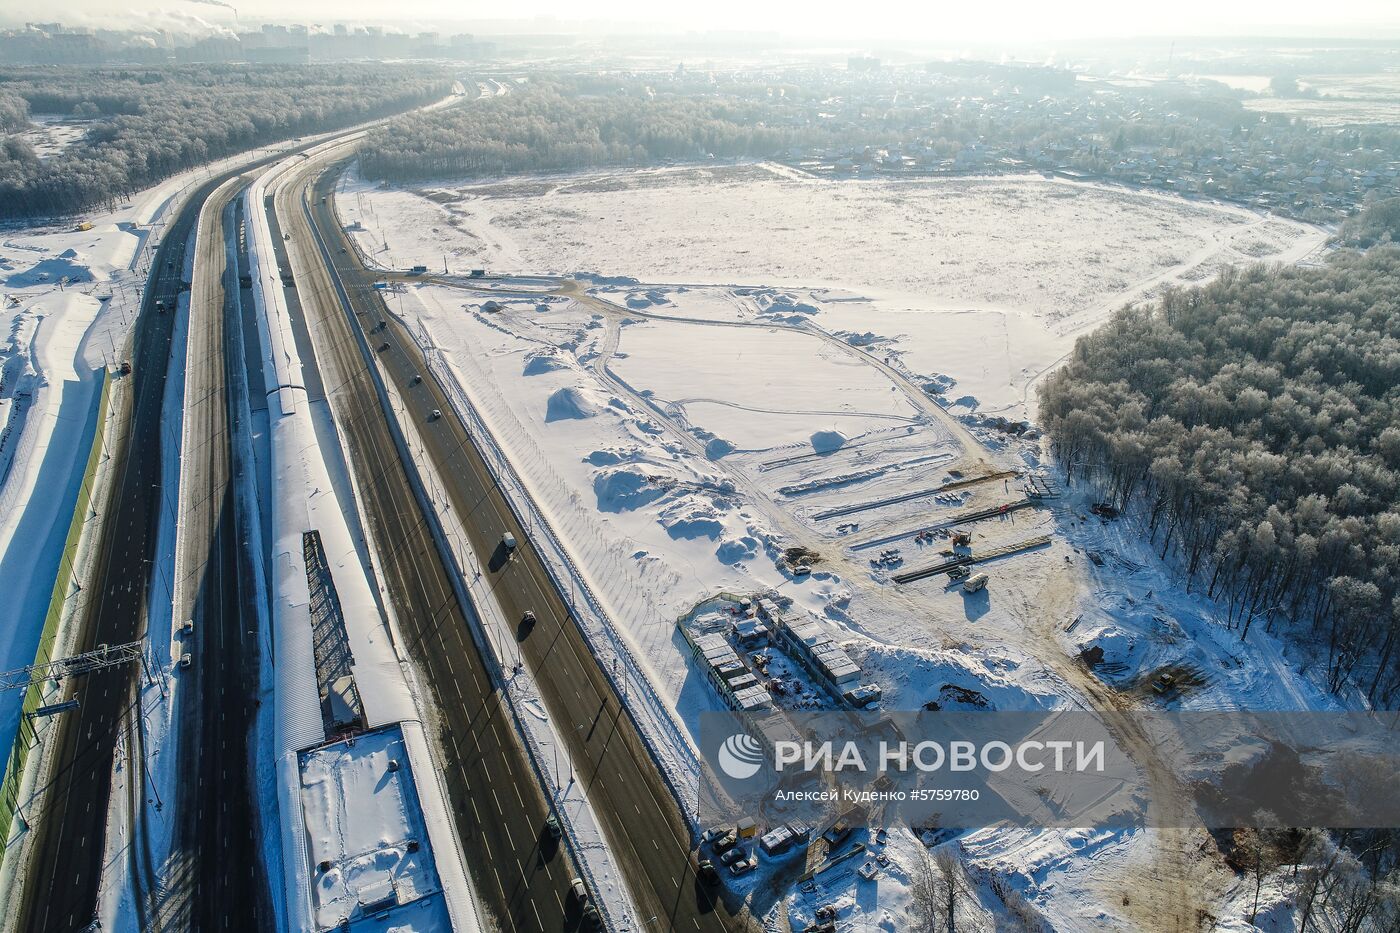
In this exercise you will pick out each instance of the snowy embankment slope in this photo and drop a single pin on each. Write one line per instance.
(54, 416)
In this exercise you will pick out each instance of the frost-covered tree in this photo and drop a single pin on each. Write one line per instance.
(1254, 424)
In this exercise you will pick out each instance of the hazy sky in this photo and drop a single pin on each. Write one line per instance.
(930, 20)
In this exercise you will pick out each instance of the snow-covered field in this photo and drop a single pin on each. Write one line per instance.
(766, 361)
(1023, 261)
(52, 133)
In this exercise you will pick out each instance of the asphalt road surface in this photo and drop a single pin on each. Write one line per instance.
(214, 879)
(649, 837)
(520, 875)
(61, 884)
(65, 862)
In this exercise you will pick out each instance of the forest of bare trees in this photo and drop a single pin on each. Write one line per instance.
(566, 123)
(1254, 425)
(1342, 880)
(148, 124)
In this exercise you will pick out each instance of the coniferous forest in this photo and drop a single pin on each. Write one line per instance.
(1254, 425)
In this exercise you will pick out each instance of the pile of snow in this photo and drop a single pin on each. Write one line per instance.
(543, 361)
(717, 447)
(1116, 653)
(918, 678)
(828, 441)
(569, 403)
(693, 516)
(68, 265)
(736, 550)
(613, 455)
(625, 489)
(644, 300)
(968, 402)
(781, 303)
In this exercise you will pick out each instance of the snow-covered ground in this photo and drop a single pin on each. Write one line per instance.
(1023, 261)
(65, 297)
(53, 133)
(765, 361)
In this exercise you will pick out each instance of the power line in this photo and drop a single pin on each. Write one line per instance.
(103, 657)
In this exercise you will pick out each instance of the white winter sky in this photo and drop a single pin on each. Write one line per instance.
(934, 21)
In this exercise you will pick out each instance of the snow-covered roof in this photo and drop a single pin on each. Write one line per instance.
(368, 846)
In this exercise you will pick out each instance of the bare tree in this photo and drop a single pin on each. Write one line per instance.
(925, 894)
(939, 885)
(1256, 854)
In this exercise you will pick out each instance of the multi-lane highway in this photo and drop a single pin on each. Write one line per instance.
(649, 837)
(520, 874)
(63, 873)
(64, 865)
(214, 878)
